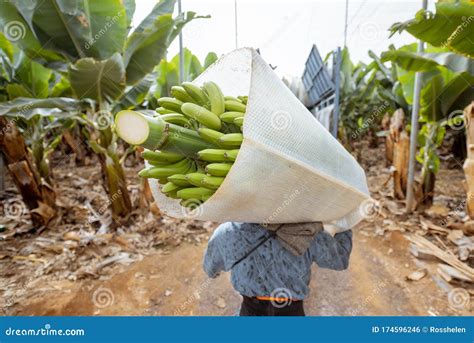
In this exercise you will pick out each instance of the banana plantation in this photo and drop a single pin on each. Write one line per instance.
(120, 154)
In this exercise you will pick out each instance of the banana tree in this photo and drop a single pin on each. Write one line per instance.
(90, 45)
(447, 87)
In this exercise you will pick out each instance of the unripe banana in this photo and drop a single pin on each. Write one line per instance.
(231, 140)
(162, 110)
(179, 179)
(165, 171)
(239, 121)
(210, 135)
(180, 93)
(243, 99)
(216, 98)
(171, 104)
(231, 155)
(195, 179)
(218, 169)
(202, 115)
(170, 187)
(229, 117)
(161, 156)
(231, 105)
(232, 98)
(212, 155)
(196, 93)
(212, 182)
(194, 193)
(176, 118)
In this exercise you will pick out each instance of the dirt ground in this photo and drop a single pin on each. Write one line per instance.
(154, 267)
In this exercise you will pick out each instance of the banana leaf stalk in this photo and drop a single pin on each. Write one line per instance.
(153, 133)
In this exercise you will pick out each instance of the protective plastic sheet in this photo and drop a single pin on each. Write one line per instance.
(289, 168)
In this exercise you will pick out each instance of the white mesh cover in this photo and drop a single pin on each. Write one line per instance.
(289, 168)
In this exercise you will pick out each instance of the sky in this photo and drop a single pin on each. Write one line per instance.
(285, 30)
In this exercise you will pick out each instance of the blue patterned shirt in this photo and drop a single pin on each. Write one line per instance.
(271, 267)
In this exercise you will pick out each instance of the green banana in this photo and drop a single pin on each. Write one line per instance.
(218, 169)
(196, 93)
(171, 104)
(231, 140)
(202, 115)
(165, 171)
(162, 110)
(243, 99)
(212, 182)
(212, 155)
(231, 105)
(176, 118)
(239, 121)
(161, 156)
(179, 179)
(229, 117)
(195, 179)
(231, 155)
(232, 98)
(216, 98)
(180, 93)
(196, 193)
(210, 135)
(170, 187)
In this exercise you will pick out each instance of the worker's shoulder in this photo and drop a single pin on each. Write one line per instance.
(230, 230)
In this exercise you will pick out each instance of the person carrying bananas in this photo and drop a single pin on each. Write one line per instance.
(271, 264)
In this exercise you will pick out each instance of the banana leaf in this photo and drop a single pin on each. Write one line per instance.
(135, 95)
(29, 107)
(451, 26)
(100, 80)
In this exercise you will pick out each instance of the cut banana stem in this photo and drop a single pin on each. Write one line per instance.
(202, 115)
(170, 104)
(231, 105)
(218, 169)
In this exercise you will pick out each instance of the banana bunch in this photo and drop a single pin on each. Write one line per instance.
(189, 172)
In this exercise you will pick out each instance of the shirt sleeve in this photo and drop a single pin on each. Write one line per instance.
(214, 261)
(332, 252)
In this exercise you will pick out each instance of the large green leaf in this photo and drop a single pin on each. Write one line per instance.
(103, 81)
(145, 49)
(29, 107)
(192, 66)
(76, 28)
(135, 95)
(34, 77)
(211, 57)
(415, 61)
(17, 30)
(452, 26)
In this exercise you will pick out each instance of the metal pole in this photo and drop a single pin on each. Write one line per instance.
(181, 51)
(345, 22)
(235, 23)
(337, 78)
(414, 130)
